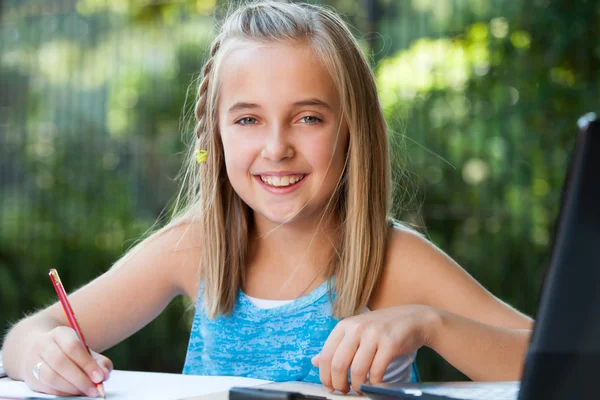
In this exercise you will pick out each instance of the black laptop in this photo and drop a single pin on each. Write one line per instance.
(563, 360)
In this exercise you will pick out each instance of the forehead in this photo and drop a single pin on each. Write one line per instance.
(273, 73)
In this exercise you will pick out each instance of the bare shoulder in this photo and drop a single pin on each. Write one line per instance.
(418, 272)
(407, 250)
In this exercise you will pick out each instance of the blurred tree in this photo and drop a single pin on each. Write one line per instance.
(489, 121)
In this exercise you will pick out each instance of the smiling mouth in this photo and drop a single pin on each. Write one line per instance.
(281, 181)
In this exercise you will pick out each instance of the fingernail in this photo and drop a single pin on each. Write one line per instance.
(92, 392)
(97, 376)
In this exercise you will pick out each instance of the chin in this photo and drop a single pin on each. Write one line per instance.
(281, 217)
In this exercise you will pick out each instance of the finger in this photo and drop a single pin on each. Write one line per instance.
(383, 358)
(362, 363)
(315, 360)
(105, 364)
(326, 355)
(83, 360)
(37, 385)
(342, 359)
(41, 388)
(55, 382)
(59, 361)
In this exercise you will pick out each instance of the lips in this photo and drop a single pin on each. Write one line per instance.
(281, 182)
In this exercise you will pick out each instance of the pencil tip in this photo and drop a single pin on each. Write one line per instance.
(100, 388)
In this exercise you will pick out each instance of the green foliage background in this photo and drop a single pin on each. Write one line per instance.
(481, 97)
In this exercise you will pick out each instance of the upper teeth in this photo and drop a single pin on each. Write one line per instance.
(281, 180)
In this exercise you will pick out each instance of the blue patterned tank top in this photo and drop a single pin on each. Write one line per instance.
(275, 344)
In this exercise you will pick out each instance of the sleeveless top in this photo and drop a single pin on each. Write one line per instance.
(274, 344)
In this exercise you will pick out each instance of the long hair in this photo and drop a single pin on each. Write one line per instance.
(362, 198)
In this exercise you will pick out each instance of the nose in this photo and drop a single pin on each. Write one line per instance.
(278, 146)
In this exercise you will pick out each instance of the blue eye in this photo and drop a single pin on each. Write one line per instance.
(246, 121)
(311, 120)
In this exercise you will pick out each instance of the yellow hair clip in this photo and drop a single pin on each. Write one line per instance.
(201, 155)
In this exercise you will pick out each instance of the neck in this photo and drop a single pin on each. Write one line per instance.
(304, 247)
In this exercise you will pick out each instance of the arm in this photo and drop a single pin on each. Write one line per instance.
(482, 336)
(423, 298)
(111, 307)
(480, 351)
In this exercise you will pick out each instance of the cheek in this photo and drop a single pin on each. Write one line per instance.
(323, 151)
(238, 157)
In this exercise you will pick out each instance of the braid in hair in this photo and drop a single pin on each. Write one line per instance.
(200, 109)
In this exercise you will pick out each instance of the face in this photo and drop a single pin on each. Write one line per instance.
(279, 120)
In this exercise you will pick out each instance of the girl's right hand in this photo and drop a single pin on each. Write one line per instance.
(66, 367)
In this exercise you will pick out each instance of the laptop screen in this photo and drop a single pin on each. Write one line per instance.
(569, 309)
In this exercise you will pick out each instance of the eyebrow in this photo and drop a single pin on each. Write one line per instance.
(240, 105)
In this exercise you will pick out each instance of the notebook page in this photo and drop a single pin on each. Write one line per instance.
(126, 385)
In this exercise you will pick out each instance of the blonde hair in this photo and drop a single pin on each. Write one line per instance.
(363, 196)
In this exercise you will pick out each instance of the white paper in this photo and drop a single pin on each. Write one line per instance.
(124, 385)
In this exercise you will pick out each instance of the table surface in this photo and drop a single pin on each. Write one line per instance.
(304, 388)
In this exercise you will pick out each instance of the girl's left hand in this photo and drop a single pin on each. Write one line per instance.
(367, 343)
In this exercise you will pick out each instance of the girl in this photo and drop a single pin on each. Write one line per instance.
(284, 239)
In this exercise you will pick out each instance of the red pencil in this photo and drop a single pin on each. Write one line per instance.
(62, 296)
